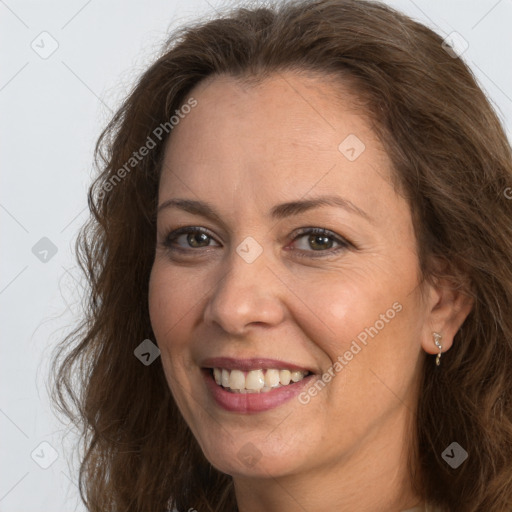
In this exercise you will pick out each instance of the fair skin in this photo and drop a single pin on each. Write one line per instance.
(245, 149)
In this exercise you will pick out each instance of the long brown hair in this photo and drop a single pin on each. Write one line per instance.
(452, 162)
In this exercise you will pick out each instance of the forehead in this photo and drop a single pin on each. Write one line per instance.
(299, 108)
(284, 137)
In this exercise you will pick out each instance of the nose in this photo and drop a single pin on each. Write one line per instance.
(246, 294)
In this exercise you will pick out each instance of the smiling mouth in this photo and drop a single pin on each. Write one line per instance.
(255, 381)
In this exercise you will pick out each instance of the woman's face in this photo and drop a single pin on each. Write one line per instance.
(344, 303)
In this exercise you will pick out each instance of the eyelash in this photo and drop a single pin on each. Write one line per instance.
(343, 243)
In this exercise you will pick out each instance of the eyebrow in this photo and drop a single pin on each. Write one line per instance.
(278, 212)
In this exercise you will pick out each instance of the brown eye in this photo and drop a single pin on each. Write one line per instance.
(195, 238)
(317, 240)
(321, 241)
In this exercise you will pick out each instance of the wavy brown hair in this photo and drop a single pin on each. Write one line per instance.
(452, 162)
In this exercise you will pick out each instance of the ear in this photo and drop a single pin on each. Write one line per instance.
(447, 306)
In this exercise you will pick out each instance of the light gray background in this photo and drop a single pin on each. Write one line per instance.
(53, 110)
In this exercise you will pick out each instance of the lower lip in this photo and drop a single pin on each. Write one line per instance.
(246, 403)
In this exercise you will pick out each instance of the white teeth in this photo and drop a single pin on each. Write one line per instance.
(296, 376)
(237, 379)
(225, 378)
(256, 381)
(272, 378)
(285, 377)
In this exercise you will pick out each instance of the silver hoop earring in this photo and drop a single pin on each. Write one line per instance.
(437, 339)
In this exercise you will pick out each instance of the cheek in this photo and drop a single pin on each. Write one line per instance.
(374, 358)
(371, 319)
(344, 305)
(171, 300)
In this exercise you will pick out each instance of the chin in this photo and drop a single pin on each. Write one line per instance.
(252, 458)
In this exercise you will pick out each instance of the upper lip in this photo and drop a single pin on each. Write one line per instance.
(259, 363)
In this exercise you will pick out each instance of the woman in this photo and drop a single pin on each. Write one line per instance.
(303, 212)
